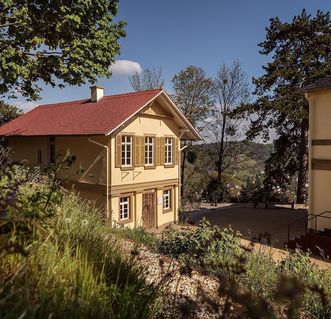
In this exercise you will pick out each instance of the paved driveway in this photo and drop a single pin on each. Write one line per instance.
(252, 222)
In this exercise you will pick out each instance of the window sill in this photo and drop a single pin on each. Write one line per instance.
(125, 221)
(127, 168)
(169, 165)
(168, 210)
(149, 167)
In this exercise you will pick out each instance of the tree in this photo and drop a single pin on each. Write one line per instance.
(300, 54)
(56, 42)
(149, 79)
(231, 89)
(8, 113)
(194, 97)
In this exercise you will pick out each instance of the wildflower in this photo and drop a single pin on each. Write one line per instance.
(84, 222)
(67, 220)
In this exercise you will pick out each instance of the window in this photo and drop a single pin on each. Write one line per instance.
(167, 199)
(168, 150)
(39, 157)
(149, 151)
(52, 156)
(126, 150)
(125, 208)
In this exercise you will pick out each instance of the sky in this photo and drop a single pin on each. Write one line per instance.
(173, 34)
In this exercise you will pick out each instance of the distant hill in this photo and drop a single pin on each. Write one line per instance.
(250, 157)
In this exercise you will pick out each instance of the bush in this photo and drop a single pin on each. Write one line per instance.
(205, 248)
(252, 279)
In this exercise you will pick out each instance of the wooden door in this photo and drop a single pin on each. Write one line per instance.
(149, 220)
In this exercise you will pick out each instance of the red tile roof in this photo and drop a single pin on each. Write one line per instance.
(79, 117)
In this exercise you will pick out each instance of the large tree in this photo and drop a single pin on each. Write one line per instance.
(231, 89)
(56, 42)
(194, 96)
(300, 54)
(148, 79)
(8, 113)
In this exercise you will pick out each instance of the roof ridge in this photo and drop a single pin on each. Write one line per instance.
(106, 96)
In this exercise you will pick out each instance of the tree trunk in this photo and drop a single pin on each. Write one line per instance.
(221, 151)
(303, 163)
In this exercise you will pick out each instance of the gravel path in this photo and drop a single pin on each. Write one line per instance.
(184, 296)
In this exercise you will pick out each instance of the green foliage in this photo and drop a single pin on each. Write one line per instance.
(8, 113)
(56, 42)
(194, 94)
(300, 54)
(138, 235)
(253, 279)
(56, 259)
(206, 248)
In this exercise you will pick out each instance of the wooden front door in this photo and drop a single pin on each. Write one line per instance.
(149, 220)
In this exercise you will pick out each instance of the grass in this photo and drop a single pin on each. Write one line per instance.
(56, 260)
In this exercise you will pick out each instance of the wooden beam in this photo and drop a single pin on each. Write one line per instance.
(156, 116)
(321, 142)
(321, 165)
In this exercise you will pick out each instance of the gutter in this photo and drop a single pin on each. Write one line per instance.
(108, 175)
(181, 133)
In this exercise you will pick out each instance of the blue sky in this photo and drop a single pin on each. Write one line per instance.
(173, 34)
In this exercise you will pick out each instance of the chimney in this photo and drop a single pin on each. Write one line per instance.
(96, 93)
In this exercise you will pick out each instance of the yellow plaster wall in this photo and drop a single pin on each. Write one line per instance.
(26, 149)
(89, 156)
(144, 126)
(320, 180)
(321, 196)
(321, 115)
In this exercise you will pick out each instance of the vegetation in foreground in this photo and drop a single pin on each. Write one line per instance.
(294, 288)
(56, 260)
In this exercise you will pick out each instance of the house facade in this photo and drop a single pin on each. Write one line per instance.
(127, 150)
(319, 97)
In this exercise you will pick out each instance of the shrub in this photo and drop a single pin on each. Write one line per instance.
(205, 248)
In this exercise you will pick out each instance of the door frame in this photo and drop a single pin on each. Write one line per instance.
(154, 206)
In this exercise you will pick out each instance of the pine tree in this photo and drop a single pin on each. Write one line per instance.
(300, 54)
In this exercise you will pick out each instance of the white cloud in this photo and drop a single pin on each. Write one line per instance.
(125, 67)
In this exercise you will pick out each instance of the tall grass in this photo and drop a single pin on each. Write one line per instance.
(56, 260)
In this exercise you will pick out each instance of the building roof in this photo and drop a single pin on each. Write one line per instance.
(321, 84)
(84, 117)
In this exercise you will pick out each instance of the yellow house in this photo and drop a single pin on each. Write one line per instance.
(319, 96)
(128, 147)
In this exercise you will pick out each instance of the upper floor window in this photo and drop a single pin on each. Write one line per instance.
(168, 150)
(149, 151)
(126, 150)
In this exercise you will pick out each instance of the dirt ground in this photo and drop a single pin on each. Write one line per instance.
(252, 222)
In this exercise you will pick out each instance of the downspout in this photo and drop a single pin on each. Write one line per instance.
(181, 133)
(108, 175)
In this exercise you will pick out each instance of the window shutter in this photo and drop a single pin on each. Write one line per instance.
(133, 148)
(162, 151)
(176, 152)
(118, 151)
(139, 151)
(142, 150)
(157, 151)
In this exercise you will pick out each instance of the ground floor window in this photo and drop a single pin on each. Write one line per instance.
(124, 208)
(167, 200)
